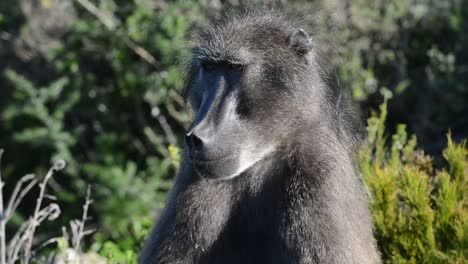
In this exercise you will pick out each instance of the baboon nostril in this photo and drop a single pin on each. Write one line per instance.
(197, 143)
(193, 141)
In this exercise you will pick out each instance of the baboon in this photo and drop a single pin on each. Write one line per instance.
(268, 175)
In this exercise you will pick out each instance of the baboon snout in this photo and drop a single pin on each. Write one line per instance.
(194, 142)
(210, 152)
(208, 142)
(214, 125)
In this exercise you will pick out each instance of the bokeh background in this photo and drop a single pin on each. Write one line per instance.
(97, 83)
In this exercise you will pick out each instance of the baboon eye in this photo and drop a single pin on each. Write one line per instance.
(236, 67)
(209, 65)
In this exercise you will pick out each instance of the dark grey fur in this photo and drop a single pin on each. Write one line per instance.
(302, 203)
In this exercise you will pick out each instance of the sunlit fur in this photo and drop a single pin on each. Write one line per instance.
(303, 202)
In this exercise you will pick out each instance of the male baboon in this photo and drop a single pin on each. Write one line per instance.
(269, 175)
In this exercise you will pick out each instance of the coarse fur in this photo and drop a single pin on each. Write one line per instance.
(289, 192)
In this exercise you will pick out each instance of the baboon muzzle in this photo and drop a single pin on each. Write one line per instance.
(208, 138)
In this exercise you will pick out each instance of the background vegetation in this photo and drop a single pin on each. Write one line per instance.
(97, 84)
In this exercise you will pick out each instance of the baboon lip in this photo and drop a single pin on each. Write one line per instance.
(197, 160)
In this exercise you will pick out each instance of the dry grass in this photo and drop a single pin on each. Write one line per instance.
(20, 246)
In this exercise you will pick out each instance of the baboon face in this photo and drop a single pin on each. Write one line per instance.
(243, 96)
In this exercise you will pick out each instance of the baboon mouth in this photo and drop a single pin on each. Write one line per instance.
(217, 168)
(198, 160)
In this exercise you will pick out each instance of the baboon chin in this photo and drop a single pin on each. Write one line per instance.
(268, 174)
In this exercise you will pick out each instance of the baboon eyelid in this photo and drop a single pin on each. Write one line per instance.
(236, 66)
(211, 65)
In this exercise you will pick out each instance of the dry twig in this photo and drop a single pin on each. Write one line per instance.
(22, 240)
(2, 217)
(111, 23)
(77, 226)
(51, 211)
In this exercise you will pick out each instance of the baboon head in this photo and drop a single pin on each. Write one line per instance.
(246, 89)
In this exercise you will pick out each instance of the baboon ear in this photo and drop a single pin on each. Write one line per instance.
(300, 41)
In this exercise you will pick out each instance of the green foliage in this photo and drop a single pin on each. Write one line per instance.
(421, 216)
(114, 112)
(413, 48)
(48, 129)
(114, 254)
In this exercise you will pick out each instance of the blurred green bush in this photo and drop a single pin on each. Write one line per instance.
(416, 49)
(113, 115)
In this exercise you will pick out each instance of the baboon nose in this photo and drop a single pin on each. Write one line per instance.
(193, 142)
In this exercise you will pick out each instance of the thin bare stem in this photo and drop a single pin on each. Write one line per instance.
(166, 128)
(36, 218)
(111, 23)
(16, 243)
(16, 199)
(144, 54)
(78, 226)
(48, 242)
(22, 239)
(26, 232)
(2, 217)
